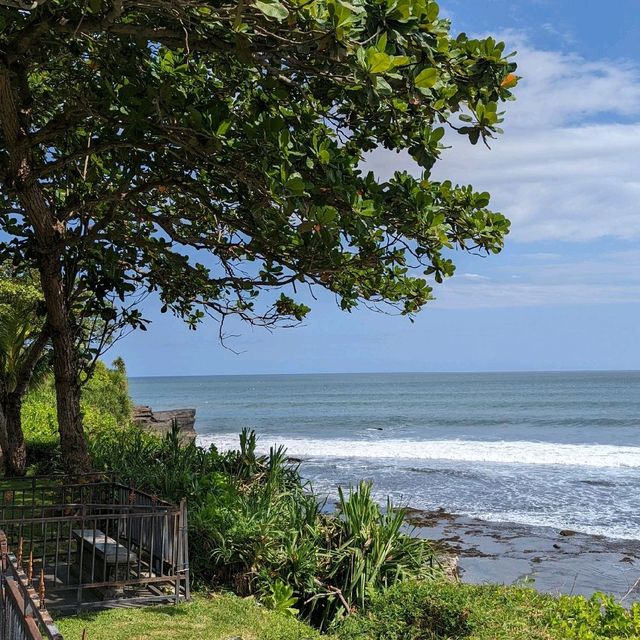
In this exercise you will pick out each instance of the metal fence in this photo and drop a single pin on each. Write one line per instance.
(92, 542)
(22, 612)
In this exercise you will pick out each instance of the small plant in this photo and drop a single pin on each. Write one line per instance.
(412, 610)
(279, 597)
(600, 617)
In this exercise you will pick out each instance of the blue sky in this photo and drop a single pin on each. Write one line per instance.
(565, 293)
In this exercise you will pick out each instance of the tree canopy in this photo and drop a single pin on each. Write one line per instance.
(210, 151)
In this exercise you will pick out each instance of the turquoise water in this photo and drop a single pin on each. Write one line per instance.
(551, 449)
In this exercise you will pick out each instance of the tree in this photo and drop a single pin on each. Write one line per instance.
(211, 152)
(23, 342)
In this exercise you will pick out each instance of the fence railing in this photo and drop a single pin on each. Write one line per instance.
(23, 615)
(92, 542)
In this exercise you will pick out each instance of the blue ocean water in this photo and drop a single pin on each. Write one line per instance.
(551, 449)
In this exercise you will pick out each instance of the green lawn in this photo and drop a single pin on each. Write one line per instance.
(408, 611)
(219, 617)
(404, 613)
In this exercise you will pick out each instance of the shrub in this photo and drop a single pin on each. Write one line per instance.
(411, 611)
(367, 552)
(257, 528)
(598, 618)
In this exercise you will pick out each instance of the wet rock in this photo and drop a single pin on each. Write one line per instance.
(424, 518)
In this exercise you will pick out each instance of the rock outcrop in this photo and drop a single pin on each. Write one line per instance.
(159, 422)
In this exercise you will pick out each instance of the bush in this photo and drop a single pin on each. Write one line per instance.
(256, 528)
(439, 610)
(106, 407)
(598, 618)
(412, 611)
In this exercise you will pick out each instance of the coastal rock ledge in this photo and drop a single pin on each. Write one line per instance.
(159, 422)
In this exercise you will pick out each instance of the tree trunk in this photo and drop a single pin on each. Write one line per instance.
(48, 231)
(4, 443)
(75, 453)
(15, 455)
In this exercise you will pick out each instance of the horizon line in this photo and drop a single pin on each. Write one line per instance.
(356, 373)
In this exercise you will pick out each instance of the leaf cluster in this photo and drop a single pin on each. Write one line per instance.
(208, 152)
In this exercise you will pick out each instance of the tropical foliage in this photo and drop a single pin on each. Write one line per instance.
(208, 152)
(256, 528)
(23, 353)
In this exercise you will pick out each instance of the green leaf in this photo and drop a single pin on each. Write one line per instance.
(273, 9)
(295, 184)
(426, 78)
(379, 62)
(383, 87)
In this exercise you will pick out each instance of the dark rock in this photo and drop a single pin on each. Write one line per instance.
(159, 422)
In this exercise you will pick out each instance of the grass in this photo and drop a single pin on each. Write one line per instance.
(411, 611)
(219, 617)
(444, 610)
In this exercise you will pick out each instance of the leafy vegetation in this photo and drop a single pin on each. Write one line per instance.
(446, 610)
(256, 528)
(212, 152)
(598, 618)
(23, 357)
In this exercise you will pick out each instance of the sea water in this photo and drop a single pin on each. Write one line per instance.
(549, 449)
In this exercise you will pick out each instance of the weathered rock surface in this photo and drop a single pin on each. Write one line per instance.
(159, 422)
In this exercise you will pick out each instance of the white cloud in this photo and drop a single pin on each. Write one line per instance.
(605, 278)
(512, 294)
(567, 167)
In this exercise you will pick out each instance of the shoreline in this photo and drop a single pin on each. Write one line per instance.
(550, 560)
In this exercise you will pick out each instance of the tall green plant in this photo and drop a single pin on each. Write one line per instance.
(256, 527)
(368, 552)
(23, 340)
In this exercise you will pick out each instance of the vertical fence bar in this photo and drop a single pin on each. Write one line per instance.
(122, 529)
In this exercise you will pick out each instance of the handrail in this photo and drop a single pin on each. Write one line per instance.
(20, 616)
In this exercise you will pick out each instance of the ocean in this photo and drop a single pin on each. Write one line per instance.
(557, 450)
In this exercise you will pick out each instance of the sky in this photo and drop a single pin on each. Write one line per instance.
(565, 292)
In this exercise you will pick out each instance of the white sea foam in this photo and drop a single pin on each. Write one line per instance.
(508, 452)
(622, 532)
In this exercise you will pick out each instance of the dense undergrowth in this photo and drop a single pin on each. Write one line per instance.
(256, 527)
(106, 407)
(257, 530)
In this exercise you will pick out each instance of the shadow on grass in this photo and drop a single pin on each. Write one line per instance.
(171, 611)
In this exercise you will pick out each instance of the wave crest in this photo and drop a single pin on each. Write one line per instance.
(497, 452)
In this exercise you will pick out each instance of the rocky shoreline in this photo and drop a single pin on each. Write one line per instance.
(160, 422)
(550, 560)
